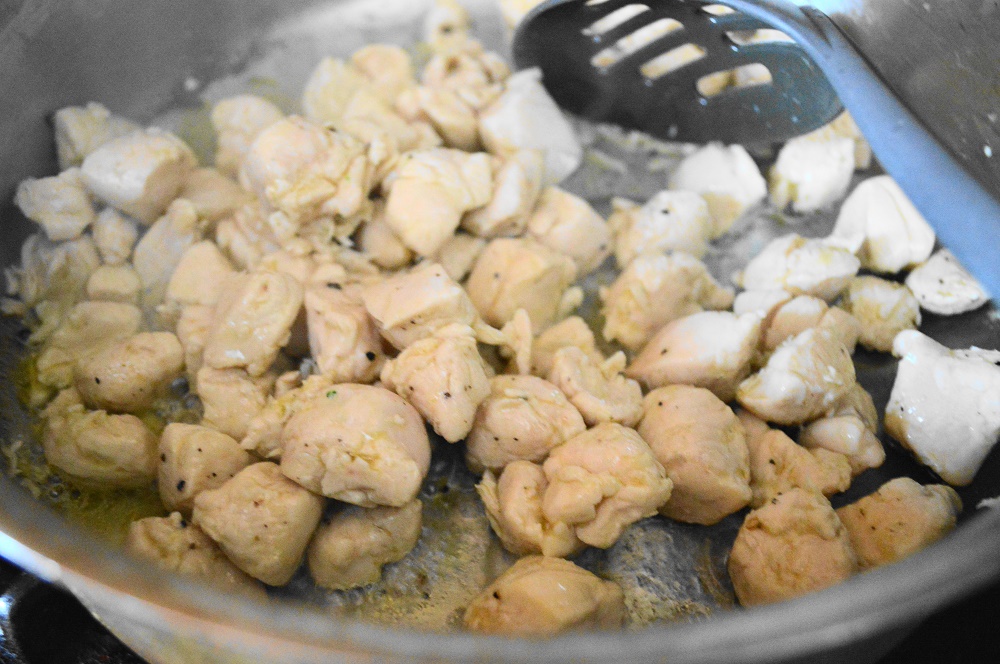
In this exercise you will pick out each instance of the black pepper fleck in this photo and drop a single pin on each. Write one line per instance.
(181, 485)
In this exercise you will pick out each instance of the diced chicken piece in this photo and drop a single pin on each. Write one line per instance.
(883, 308)
(87, 327)
(801, 266)
(431, 190)
(568, 224)
(139, 173)
(726, 177)
(343, 339)
(237, 122)
(175, 545)
(516, 346)
(252, 321)
(59, 204)
(94, 449)
(451, 117)
(199, 276)
(350, 549)
(654, 290)
(130, 375)
(231, 398)
(541, 596)
(388, 69)
(264, 432)
(514, 508)
(362, 445)
(193, 327)
(446, 22)
(572, 331)
(213, 195)
(778, 464)
(599, 391)
(603, 480)
(194, 459)
(516, 186)
(805, 377)
(879, 223)
(792, 317)
(475, 75)
(764, 302)
(942, 286)
(669, 221)
(523, 417)
(160, 250)
(844, 327)
(851, 429)
(370, 119)
(332, 85)
(789, 547)
(944, 406)
(711, 349)
(79, 130)
(899, 519)
(114, 283)
(810, 174)
(261, 520)
(702, 446)
(245, 238)
(525, 117)
(459, 253)
(754, 428)
(381, 244)
(521, 273)
(115, 236)
(444, 377)
(843, 126)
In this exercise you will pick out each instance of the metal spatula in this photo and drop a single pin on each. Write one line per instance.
(616, 61)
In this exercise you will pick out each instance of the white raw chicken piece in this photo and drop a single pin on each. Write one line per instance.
(801, 266)
(516, 186)
(159, 251)
(526, 117)
(945, 405)
(654, 290)
(237, 121)
(459, 253)
(669, 221)
(114, 283)
(263, 435)
(843, 126)
(193, 459)
(343, 339)
(115, 236)
(879, 223)
(231, 398)
(128, 376)
(942, 286)
(726, 177)
(568, 224)
(79, 130)
(572, 331)
(59, 204)
(884, 309)
(778, 464)
(810, 174)
(140, 173)
(598, 390)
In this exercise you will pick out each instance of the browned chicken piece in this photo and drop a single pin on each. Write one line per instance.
(193, 327)
(444, 377)
(603, 480)
(231, 398)
(754, 428)
(541, 596)
(237, 122)
(361, 444)
(199, 276)
(213, 195)
(261, 520)
(793, 545)
(380, 244)
(778, 464)
(516, 346)
(702, 446)
(572, 331)
(193, 459)
(263, 435)
(114, 283)
(343, 339)
(459, 253)
(884, 309)
(176, 545)
(851, 429)
(568, 224)
(788, 319)
(514, 508)
(899, 519)
(162, 247)
(711, 349)
(349, 550)
(516, 186)
(130, 375)
(522, 418)
(599, 391)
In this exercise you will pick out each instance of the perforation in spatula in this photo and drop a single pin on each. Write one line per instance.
(680, 70)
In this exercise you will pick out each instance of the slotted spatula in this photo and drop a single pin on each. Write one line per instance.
(616, 61)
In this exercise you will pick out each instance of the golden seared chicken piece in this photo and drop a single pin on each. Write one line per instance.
(114, 283)
(343, 338)
(231, 398)
(193, 459)
(514, 507)
(263, 435)
(59, 204)
(568, 224)
(380, 244)
(193, 326)
(811, 174)
(754, 428)
(669, 221)
(516, 346)
(115, 236)
(726, 177)
(176, 545)
(603, 480)
(521, 273)
(199, 276)
(261, 520)
(790, 318)
(711, 349)
(792, 546)
(444, 377)
(252, 321)
(139, 173)
(430, 191)
(801, 266)
(214, 196)
(702, 446)
(541, 596)
(942, 286)
(899, 519)
(598, 390)
(459, 253)
(851, 429)
(360, 444)
(884, 309)
(785, 316)
(516, 186)
(161, 248)
(778, 464)
(572, 331)
(129, 376)
(522, 418)
(79, 130)
(349, 550)
(95, 449)
(804, 378)
(237, 122)
(652, 291)
(246, 238)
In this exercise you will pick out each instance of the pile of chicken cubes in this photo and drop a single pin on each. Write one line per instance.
(400, 256)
